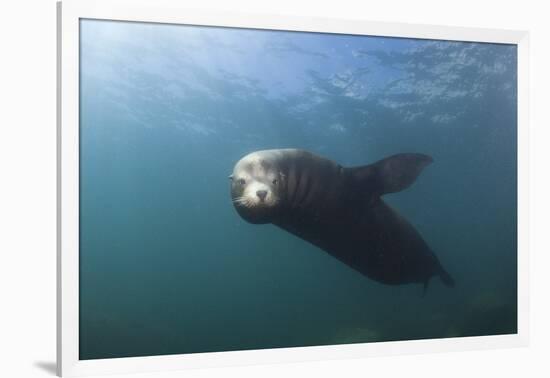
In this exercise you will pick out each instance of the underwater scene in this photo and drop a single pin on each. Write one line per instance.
(174, 257)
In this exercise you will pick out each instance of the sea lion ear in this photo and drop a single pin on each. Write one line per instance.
(230, 177)
(392, 174)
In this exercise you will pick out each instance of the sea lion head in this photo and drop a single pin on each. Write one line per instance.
(256, 187)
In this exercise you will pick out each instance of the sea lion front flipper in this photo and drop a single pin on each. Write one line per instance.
(392, 174)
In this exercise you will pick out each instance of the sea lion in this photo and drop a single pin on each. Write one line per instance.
(339, 210)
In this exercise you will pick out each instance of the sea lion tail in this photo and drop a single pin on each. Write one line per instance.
(446, 277)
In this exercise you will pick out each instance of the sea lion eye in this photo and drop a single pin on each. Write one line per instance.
(275, 181)
(241, 181)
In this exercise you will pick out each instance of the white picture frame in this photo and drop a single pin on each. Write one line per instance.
(69, 14)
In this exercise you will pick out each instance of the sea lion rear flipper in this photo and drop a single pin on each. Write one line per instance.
(392, 174)
(446, 277)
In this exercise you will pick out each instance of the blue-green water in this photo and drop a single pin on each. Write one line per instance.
(166, 264)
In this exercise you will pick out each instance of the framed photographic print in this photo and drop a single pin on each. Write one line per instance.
(239, 189)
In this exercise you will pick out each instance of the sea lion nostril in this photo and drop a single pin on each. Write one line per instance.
(261, 194)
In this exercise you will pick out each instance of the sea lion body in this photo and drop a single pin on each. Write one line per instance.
(339, 210)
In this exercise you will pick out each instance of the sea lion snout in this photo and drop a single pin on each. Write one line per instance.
(261, 194)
